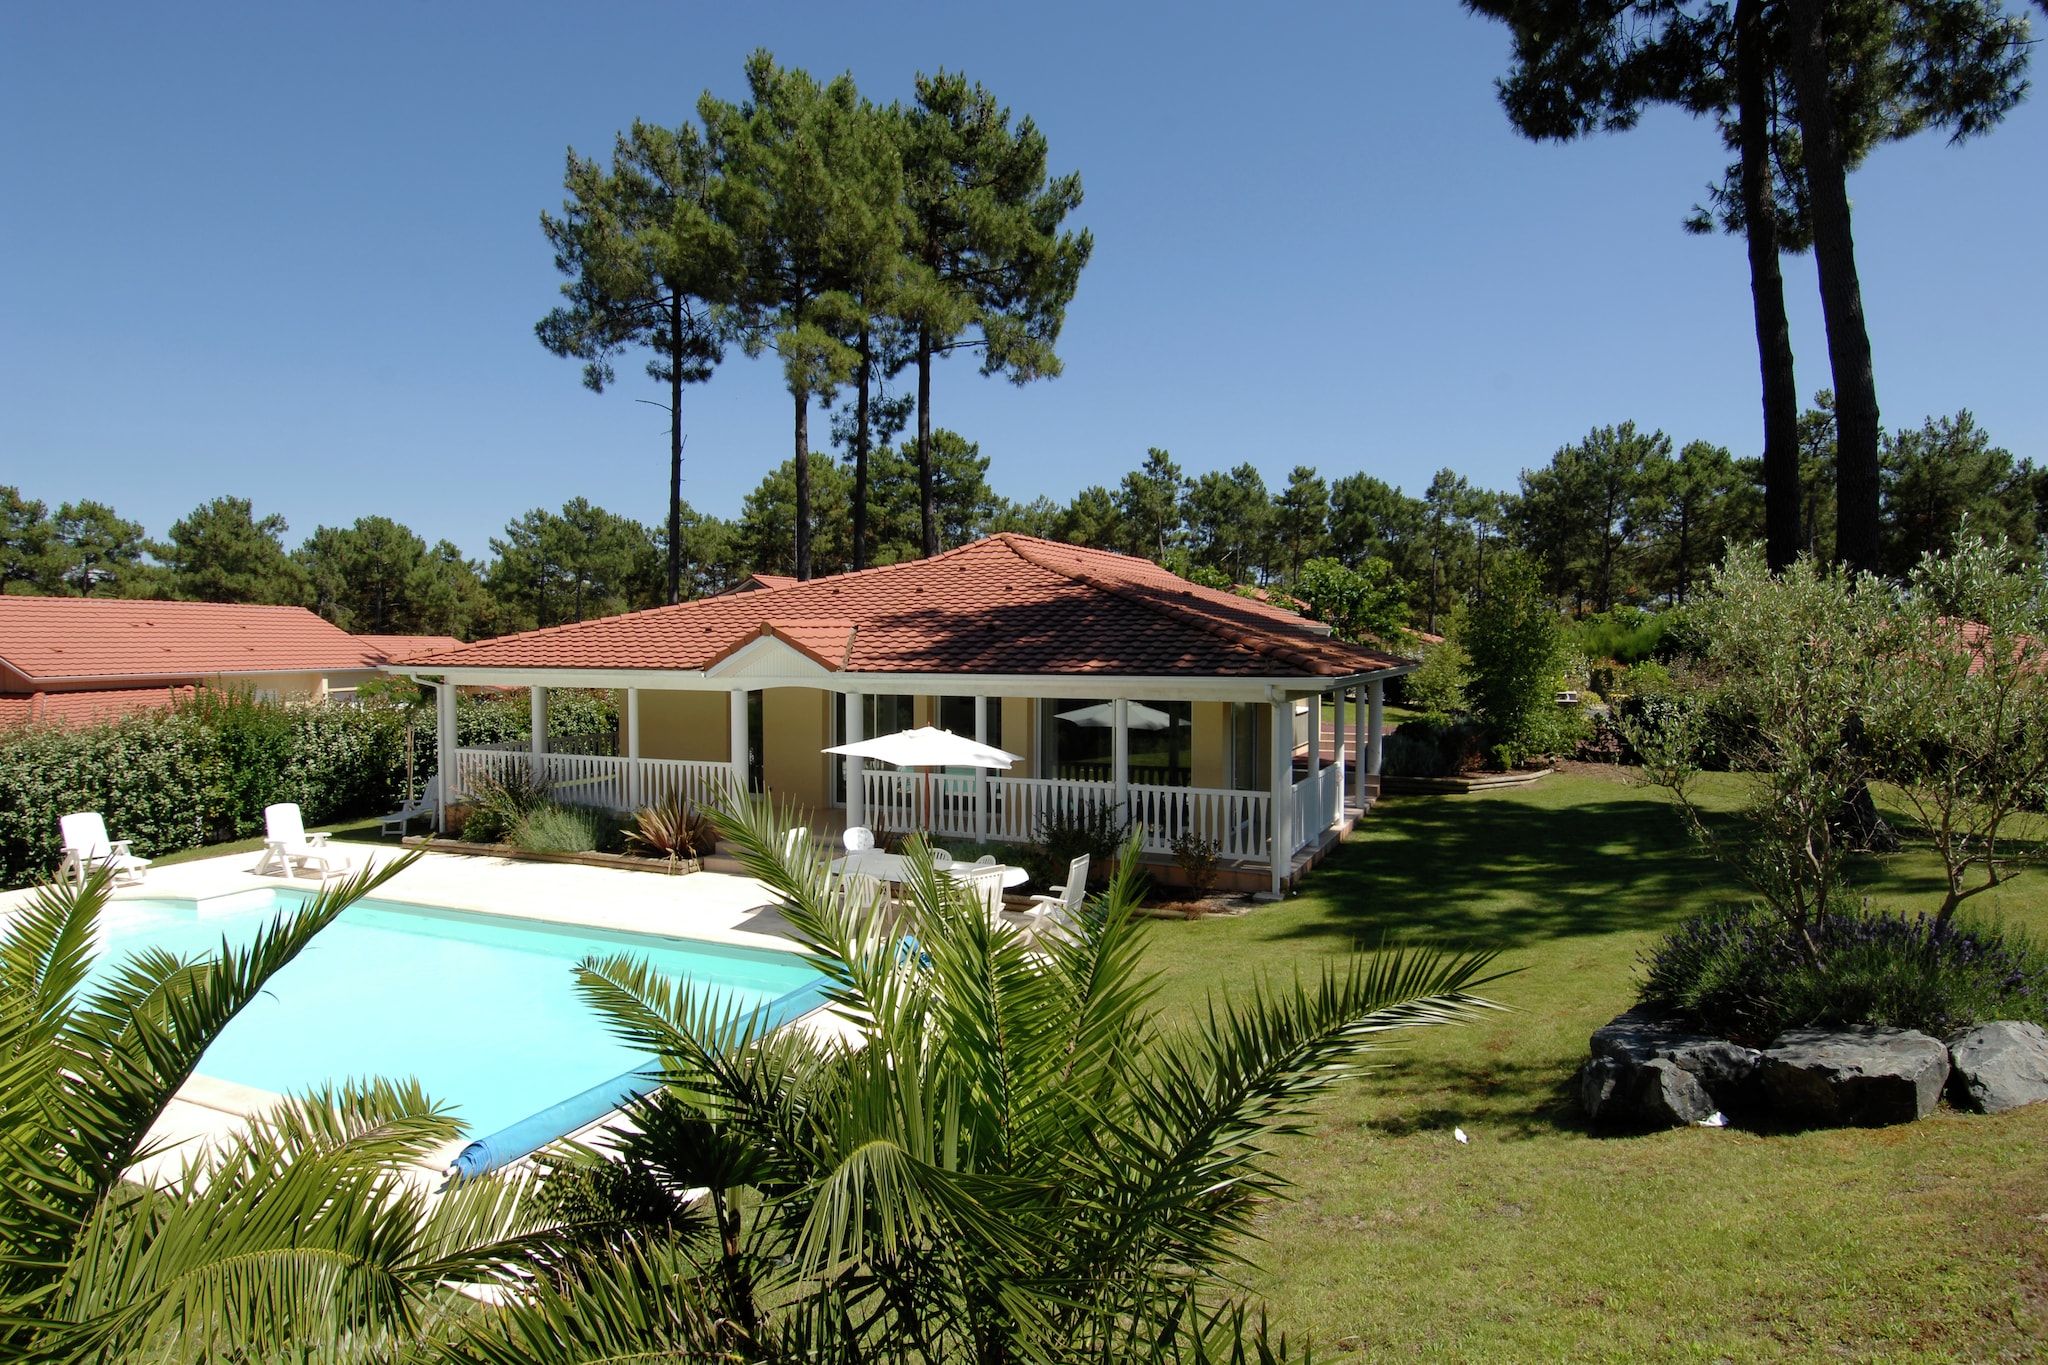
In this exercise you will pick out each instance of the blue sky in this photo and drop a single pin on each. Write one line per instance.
(291, 252)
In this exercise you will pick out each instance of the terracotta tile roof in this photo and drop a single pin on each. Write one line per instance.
(755, 582)
(84, 708)
(108, 637)
(1009, 604)
(392, 648)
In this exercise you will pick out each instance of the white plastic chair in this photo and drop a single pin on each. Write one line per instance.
(412, 810)
(1060, 911)
(858, 838)
(86, 846)
(286, 843)
(861, 892)
(985, 881)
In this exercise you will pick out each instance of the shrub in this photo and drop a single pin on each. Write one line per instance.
(197, 773)
(499, 801)
(1437, 689)
(1625, 635)
(1093, 826)
(1749, 975)
(1513, 637)
(552, 828)
(501, 717)
(1433, 748)
(673, 830)
(1199, 860)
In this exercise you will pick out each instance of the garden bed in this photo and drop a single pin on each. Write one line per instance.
(630, 862)
(1463, 782)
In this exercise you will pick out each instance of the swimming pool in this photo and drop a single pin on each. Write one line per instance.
(482, 1009)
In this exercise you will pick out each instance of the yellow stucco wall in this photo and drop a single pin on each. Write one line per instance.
(795, 728)
(1016, 735)
(284, 686)
(689, 725)
(1209, 744)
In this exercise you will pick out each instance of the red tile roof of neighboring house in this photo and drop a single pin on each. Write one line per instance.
(83, 708)
(1009, 604)
(51, 638)
(755, 582)
(392, 648)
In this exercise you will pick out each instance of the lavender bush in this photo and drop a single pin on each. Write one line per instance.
(1745, 974)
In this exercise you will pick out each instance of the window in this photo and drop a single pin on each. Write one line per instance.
(881, 714)
(1245, 772)
(1080, 741)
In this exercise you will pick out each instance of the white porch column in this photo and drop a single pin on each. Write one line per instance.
(738, 741)
(537, 743)
(1373, 727)
(1336, 757)
(1120, 752)
(981, 774)
(444, 752)
(633, 784)
(856, 768)
(1358, 743)
(1282, 783)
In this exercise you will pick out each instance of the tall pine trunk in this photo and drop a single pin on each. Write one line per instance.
(860, 452)
(803, 483)
(927, 494)
(1767, 291)
(675, 450)
(1841, 295)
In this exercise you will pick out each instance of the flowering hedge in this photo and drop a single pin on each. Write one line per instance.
(196, 774)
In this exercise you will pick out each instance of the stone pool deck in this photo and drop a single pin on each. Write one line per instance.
(711, 907)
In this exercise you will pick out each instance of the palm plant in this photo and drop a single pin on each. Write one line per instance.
(312, 1233)
(999, 1150)
(672, 828)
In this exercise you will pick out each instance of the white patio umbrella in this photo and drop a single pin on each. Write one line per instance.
(927, 747)
(1102, 715)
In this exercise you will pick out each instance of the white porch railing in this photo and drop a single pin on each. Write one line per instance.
(695, 784)
(1306, 800)
(1239, 821)
(1007, 810)
(595, 780)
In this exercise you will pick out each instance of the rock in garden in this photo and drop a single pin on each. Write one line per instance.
(1861, 1076)
(1649, 1070)
(1657, 1093)
(1997, 1066)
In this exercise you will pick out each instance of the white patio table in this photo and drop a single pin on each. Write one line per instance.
(894, 867)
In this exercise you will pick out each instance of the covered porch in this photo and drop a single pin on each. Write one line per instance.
(1171, 756)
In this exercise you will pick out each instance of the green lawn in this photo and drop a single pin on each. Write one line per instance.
(1540, 1241)
(1389, 713)
(355, 831)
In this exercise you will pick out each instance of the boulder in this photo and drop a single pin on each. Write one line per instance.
(1648, 1070)
(1657, 1093)
(1859, 1076)
(1997, 1066)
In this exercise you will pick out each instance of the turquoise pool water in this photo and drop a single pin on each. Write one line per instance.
(482, 1009)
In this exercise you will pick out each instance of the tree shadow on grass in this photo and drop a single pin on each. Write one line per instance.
(1508, 873)
(1521, 1099)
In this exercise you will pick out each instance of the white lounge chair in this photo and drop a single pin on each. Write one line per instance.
(412, 810)
(858, 838)
(289, 850)
(1060, 911)
(86, 846)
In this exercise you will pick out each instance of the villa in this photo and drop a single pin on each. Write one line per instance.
(74, 660)
(1113, 679)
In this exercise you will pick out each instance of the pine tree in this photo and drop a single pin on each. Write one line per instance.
(989, 266)
(649, 265)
